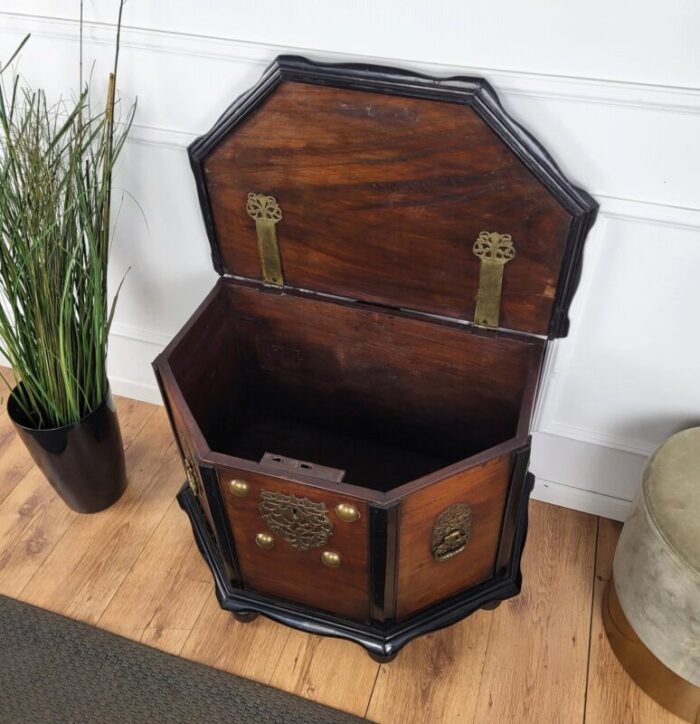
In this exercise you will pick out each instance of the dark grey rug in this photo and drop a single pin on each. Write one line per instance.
(53, 669)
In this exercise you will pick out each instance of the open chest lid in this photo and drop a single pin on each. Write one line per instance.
(388, 187)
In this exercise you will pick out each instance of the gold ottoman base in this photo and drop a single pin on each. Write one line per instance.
(657, 680)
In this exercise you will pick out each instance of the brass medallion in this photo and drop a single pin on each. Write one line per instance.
(495, 251)
(451, 531)
(301, 522)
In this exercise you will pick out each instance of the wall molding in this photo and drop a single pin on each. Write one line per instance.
(147, 336)
(676, 99)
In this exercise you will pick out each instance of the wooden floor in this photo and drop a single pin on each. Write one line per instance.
(134, 569)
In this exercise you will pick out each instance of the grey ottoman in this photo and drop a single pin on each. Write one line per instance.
(652, 608)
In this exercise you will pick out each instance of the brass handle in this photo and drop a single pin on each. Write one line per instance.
(346, 512)
(239, 488)
(265, 541)
(330, 559)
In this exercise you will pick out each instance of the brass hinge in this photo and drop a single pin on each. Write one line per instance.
(266, 213)
(495, 251)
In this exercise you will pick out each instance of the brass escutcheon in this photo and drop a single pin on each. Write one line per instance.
(346, 512)
(265, 541)
(330, 559)
(301, 522)
(239, 488)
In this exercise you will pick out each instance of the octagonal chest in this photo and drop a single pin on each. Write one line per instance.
(352, 400)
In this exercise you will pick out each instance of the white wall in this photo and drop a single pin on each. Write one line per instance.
(612, 88)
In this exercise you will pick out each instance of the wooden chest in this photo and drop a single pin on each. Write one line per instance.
(353, 399)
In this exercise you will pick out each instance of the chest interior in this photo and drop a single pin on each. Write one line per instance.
(384, 397)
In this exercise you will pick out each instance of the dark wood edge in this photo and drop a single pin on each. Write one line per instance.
(218, 288)
(168, 409)
(466, 90)
(464, 325)
(165, 374)
(521, 459)
(232, 464)
(222, 529)
(383, 641)
(570, 275)
(581, 205)
(527, 403)
(383, 546)
(497, 451)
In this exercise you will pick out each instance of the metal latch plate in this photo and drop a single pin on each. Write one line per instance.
(302, 466)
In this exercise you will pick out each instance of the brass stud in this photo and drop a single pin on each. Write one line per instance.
(239, 488)
(330, 559)
(265, 541)
(346, 512)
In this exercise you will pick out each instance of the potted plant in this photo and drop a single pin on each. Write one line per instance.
(56, 165)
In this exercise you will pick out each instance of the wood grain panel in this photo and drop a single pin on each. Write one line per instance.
(535, 666)
(203, 360)
(612, 696)
(294, 574)
(383, 197)
(421, 579)
(407, 384)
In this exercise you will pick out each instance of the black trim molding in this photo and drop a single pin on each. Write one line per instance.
(382, 641)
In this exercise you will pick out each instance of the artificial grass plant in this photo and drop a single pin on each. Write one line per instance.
(56, 163)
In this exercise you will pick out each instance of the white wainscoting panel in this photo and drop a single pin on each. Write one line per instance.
(614, 95)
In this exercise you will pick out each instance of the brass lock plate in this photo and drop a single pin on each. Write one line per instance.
(301, 522)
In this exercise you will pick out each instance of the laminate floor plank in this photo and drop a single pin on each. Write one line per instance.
(329, 671)
(612, 695)
(537, 656)
(250, 649)
(15, 460)
(32, 521)
(436, 677)
(162, 596)
(87, 566)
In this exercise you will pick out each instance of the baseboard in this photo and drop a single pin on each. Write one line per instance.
(136, 390)
(584, 475)
(586, 501)
(131, 352)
